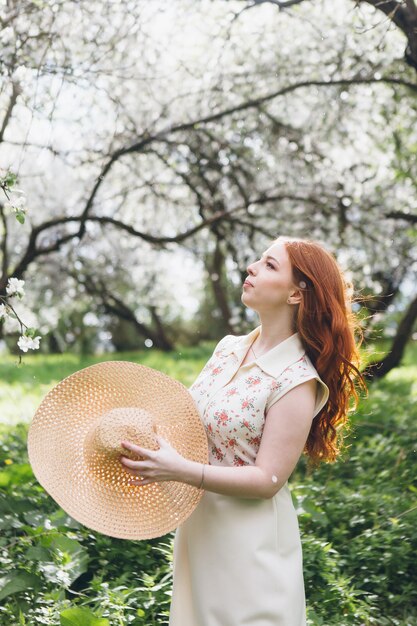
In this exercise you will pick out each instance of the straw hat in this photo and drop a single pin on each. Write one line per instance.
(74, 447)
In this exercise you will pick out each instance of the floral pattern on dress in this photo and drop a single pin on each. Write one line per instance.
(222, 418)
(217, 453)
(215, 366)
(233, 403)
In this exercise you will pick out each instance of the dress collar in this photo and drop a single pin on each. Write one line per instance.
(275, 360)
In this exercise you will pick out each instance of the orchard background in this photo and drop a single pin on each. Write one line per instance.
(148, 152)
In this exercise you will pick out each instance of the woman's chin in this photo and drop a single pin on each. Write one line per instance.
(246, 302)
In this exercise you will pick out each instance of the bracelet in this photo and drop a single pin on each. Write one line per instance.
(202, 478)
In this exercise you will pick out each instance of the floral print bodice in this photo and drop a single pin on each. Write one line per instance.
(233, 400)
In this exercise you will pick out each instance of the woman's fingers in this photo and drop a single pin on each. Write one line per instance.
(138, 449)
(137, 465)
(154, 465)
(139, 474)
(140, 481)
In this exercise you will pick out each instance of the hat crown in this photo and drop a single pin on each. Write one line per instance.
(122, 424)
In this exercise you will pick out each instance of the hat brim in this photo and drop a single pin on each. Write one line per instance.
(56, 449)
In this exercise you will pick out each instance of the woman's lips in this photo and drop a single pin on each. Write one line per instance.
(247, 284)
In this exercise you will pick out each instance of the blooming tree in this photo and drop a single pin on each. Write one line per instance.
(292, 123)
(16, 203)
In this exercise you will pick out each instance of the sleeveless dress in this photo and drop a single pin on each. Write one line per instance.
(238, 561)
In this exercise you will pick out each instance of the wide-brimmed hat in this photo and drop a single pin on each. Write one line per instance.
(74, 447)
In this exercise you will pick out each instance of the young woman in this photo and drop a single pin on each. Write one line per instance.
(264, 398)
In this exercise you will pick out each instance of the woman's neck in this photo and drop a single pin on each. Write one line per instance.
(271, 333)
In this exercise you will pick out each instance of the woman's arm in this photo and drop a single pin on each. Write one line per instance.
(285, 432)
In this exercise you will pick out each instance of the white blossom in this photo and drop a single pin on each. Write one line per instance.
(17, 201)
(28, 343)
(15, 287)
(4, 312)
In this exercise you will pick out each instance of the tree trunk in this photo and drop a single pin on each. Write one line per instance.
(164, 343)
(378, 369)
(216, 271)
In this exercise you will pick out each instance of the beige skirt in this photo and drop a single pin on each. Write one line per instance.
(238, 562)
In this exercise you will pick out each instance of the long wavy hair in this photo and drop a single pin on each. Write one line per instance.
(331, 335)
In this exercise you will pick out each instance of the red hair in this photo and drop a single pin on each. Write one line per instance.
(327, 326)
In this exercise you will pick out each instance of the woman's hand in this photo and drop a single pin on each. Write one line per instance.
(157, 465)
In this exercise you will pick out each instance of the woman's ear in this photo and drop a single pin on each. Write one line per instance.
(295, 297)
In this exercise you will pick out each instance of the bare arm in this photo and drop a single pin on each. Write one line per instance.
(286, 429)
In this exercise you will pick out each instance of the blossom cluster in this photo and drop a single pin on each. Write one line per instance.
(16, 198)
(16, 203)
(15, 289)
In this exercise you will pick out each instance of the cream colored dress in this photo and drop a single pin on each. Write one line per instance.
(238, 561)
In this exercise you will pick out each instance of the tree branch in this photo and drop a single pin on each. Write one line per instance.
(33, 251)
(400, 215)
(13, 98)
(404, 15)
(113, 305)
(378, 369)
(4, 251)
(147, 139)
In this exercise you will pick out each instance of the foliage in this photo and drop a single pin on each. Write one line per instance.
(358, 522)
(52, 566)
(359, 517)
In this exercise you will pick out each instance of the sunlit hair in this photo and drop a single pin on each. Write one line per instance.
(331, 335)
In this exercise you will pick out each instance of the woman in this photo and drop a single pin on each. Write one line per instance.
(264, 398)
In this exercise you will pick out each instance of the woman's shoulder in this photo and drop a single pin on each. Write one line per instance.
(296, 373)
(227, 342)
(309, 367)
(302, 368)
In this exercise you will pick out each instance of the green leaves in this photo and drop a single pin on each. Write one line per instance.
(20, 216)
(18, 581)
(15, 474)
(81, 617)
(364, 508)
(67, 559)
(8, 180)
(31, 332)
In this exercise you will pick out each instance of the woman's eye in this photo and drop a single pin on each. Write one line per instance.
(270, 265)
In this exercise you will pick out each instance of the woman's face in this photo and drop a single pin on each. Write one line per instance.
(271, 280)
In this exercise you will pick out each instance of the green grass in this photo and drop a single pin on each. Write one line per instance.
(22, 387)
